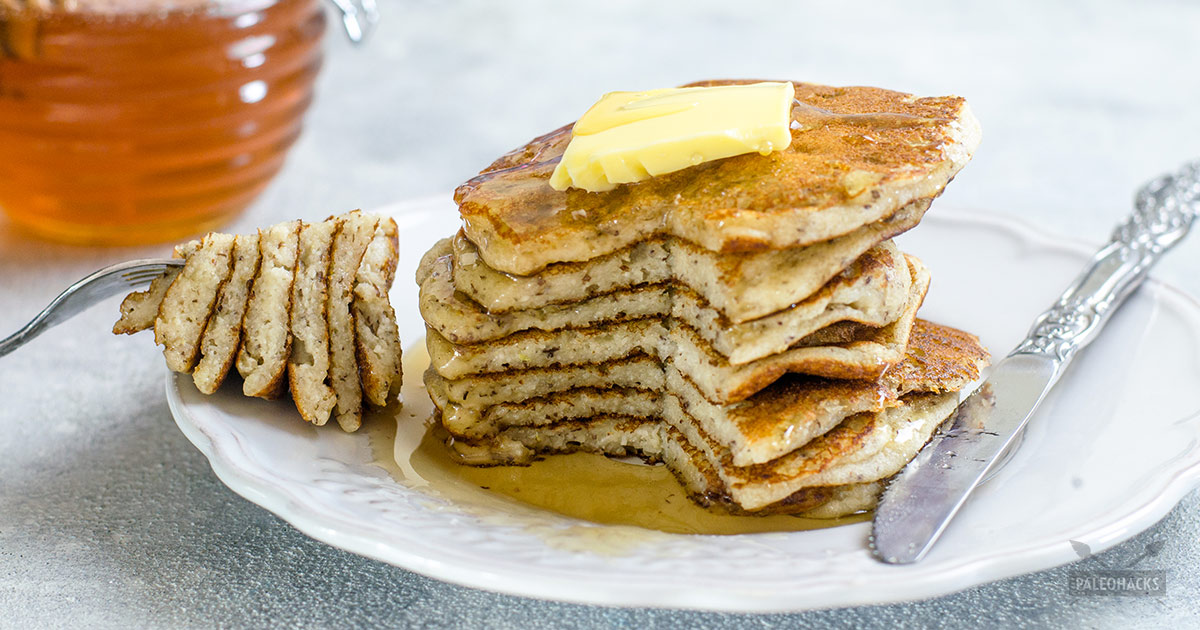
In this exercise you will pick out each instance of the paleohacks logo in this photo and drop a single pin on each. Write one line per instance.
(1123, 580)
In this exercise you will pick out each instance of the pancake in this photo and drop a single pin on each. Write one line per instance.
(873, 290)
(616, 435)
(376, 336)
(863, 352)
(863, 448)
(266, 334)
(638, 371)
(863, 355)
(782, 417)
(187, 304)
(741, 285)
(476, 423)
(305, 300)
(308, 363)
(796, 409)
(353, 236)
(857, 155)
(223, 333)
(773, 422)
(623, 436)
(706, 487)
(140, 308)
(839, 471)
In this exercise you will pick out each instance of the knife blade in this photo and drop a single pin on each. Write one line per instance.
(920, 501)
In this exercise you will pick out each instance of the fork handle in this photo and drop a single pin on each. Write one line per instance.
(18, 339)
(1163, 213)
(48, 318)
(105, 283)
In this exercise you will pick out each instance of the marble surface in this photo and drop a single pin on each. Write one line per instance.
(108, 516)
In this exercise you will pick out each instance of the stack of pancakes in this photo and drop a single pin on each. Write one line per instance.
(298, 307)
(746, 321)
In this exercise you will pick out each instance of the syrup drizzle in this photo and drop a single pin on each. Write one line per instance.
(513, 198)
(585, 486)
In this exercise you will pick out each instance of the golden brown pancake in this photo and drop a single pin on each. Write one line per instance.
(862, 354)
(858, 154)
(223, 334)
(266, 333)
(742, 285)
(140, 308)
(864, 449)
(308, 359)
(376, 336)
(775, 421)
(349, 245)
(187, 304)
(309, 301)
(873, 291)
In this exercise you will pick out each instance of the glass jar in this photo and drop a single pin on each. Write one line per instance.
(133, 121)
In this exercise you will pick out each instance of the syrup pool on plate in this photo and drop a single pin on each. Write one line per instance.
(585, 486)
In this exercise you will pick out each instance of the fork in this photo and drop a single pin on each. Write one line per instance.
(105, 283)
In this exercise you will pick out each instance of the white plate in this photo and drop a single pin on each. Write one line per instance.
(1112, 450)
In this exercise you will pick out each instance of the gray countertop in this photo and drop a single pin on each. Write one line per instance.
(109, 517)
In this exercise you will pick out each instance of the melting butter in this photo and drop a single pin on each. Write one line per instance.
(631, 136)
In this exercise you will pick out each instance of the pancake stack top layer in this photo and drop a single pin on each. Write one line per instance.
(747, 321)
(857, 155)
(298, 307)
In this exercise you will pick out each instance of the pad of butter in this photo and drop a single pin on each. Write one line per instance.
(631, 136)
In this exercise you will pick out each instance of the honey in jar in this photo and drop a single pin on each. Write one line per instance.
(132, 121)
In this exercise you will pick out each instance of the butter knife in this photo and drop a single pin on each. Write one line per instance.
(922, 499)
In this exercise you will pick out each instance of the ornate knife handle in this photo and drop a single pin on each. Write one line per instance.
(1163, 212)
